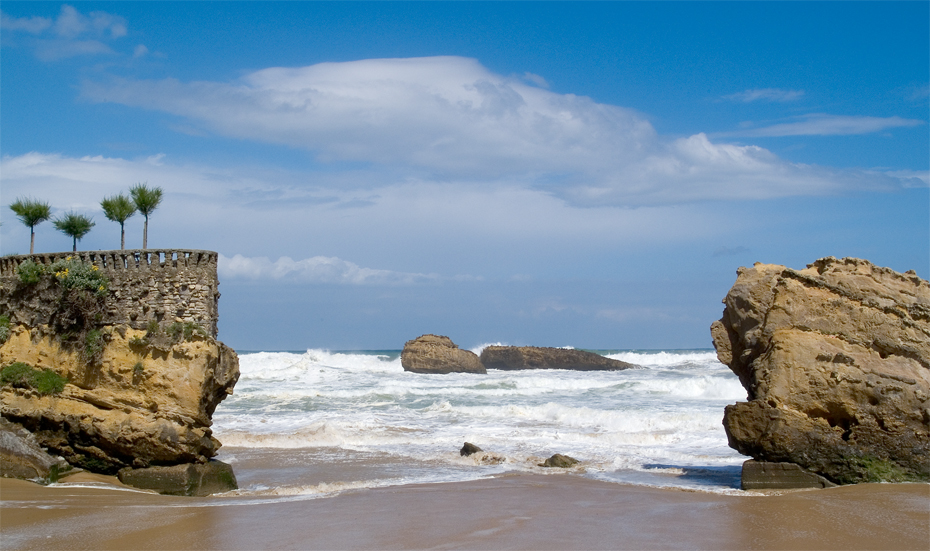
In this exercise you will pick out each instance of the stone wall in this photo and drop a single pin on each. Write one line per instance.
(164, 285)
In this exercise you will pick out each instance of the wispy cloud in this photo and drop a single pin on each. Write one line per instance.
(71, 34)
(317, 269)
(777, 95)
(730, 251)
(449, 118)
(818, 124)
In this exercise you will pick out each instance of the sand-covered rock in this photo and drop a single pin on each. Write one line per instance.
(536, 357)
(438, 354)
(138, 404)
(835, 359)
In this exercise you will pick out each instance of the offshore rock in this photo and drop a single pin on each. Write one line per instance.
(191, 479)
(140, 404)
(534, 357)
(438, 354)
(835, 360)
(21, 456)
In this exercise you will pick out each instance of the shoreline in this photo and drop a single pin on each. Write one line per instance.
(513, 511)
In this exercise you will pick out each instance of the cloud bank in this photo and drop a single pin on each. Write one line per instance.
(317, 269)
(449, 118)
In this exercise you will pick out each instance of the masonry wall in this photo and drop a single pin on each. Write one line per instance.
(165, 285)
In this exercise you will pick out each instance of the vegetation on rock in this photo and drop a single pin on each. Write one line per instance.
(4, 328)
(22, 375)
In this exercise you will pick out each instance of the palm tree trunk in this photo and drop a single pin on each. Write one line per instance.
(145, 234)
(74, 249)
(32, 239)
(122, 236)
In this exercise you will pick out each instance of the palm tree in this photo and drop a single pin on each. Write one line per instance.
(75, 226)
(146, 201)
(32, 213)
(119, 208)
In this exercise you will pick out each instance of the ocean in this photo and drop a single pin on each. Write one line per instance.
(320, 422)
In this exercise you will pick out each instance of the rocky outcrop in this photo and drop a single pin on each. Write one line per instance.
(142, 401)
(438, 354)
(835, 360)
(533, 357)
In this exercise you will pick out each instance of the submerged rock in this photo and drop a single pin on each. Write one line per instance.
(765, 475)
(560, 461)
(534, 357)
(438, 354)
(192, 479)
(835, 360)
(469, 449)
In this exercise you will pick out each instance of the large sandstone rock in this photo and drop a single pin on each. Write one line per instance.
(534, 357)
(836, 363)
(141, 404)
(438, 354)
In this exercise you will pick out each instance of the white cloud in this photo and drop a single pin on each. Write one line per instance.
(819, 124)
(140, 51)
(766, 94)
(32, 25)
(71, 34)
(317, 269)
(449, 118)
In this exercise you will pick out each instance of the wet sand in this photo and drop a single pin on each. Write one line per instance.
(524, 511)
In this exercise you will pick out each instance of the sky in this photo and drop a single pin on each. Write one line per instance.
(549, 174)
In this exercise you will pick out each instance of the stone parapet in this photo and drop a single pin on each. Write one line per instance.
(162, 285)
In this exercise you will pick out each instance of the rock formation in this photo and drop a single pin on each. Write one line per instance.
(438, 354)
(110, 359)
(533, 357)
(835, 360)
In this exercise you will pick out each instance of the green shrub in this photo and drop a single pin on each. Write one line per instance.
(4, 328)
(22, 375)
(29, 272)
(73, 273)
(138, 342)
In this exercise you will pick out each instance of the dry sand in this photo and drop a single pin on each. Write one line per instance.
(507, 512)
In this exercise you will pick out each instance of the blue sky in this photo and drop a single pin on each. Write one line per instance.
(555, 174)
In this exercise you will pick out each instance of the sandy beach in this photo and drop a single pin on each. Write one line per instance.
(522, 511)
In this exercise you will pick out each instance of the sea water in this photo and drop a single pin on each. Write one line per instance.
(319, 422)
